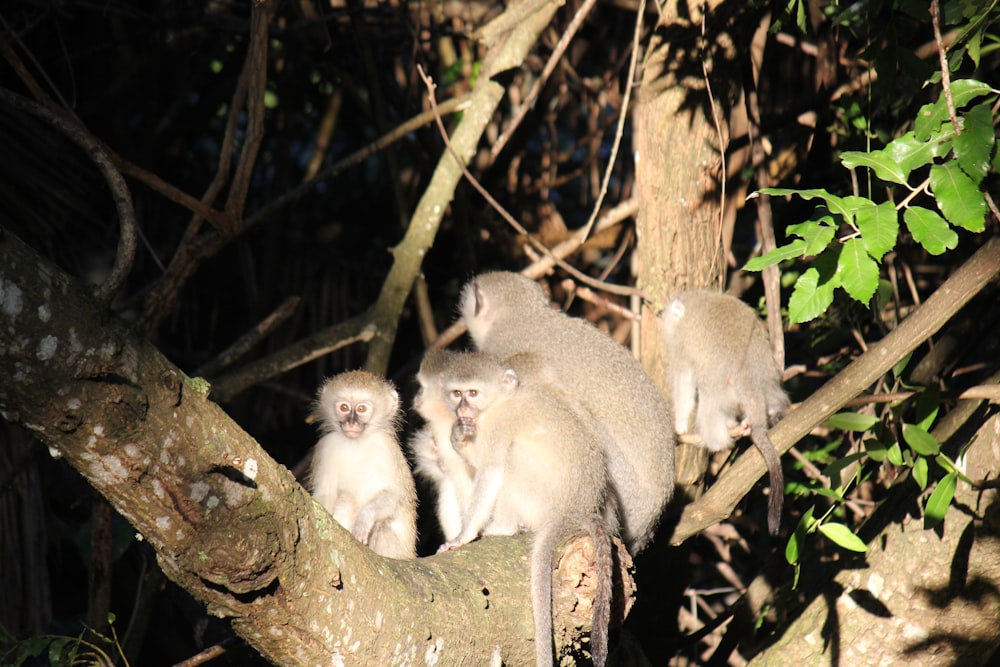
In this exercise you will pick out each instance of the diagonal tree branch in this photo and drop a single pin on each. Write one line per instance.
(227, 522)
(720, 500)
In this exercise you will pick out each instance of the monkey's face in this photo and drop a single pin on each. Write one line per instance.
(465, 402)
(353, 416)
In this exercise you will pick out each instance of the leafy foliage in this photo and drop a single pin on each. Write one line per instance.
(958, 155)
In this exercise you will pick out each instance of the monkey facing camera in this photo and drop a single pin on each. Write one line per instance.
(358, 471)
(535, 466)
(724, 380)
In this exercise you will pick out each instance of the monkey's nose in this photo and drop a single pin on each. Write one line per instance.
(352, 428)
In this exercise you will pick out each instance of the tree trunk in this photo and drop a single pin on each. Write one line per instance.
(229, 524)
(678, 168)
(923, 597)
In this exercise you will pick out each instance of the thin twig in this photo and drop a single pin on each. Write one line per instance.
(718, 130)
(247, 341)
(590, 296)
(76, 133)
(355, 330)
(529, 100)
(453, 105)
(943, 60)
(211, 653)
(576, 273)
(612, 217)
(622, 116)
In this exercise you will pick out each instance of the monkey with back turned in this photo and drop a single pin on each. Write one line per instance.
(507, 314)
(723, 378)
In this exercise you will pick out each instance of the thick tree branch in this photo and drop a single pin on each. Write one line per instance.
(227, 522)
(719, 501)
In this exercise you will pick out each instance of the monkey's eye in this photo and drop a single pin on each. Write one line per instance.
(344, 407)
(456, 393)
(473, 393)
(362, 409)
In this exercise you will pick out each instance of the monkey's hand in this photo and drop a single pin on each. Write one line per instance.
(382, 507)
(361, 533)
(463, 432)
(453, 544)
(737, 431)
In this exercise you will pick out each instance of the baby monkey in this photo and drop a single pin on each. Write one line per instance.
(724, 379)
(434, 457)
(359, 473)
(536, 466)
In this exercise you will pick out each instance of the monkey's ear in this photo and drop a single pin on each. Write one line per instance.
(509, 379)
(480, 299)
(675, 310)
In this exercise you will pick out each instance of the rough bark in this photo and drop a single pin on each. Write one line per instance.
(924, 597)
(678, 151)
(228, 523)
(678, 164)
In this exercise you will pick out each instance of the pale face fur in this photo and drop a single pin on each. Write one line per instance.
(359, 473)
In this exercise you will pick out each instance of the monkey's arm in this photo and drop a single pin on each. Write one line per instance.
(485, 491)
(383, 507)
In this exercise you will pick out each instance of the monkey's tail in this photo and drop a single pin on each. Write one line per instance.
(603, 565)
(758, 433)
(542, 554)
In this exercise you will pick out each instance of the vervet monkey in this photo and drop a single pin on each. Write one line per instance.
(724, 379)
(435, 458)
(439, 459)
(359, 473)
(507, 314)
(540, 466)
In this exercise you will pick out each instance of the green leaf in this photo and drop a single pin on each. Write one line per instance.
(827, 493)
(879, 226)
(784, 192)
(920, 472)
(926, 407)
(813, 291)
(940, 499)
(842, 536)
(932, 115)
(897, 370)
(958, 197)
(790, 250)
(797, 540)
(894, 454)
(930, 230)
(816, 234)
(911, 153)
(920, 441)
(949, 466)
(858, 271)
(852, 421)
(974, 146)
(834, 470)
(883, 166)
(836, 204)
(876, 450)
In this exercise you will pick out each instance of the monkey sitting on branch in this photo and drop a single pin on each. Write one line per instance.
(508, 314)
(358, 472)
(724, 380)
(536, 466)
